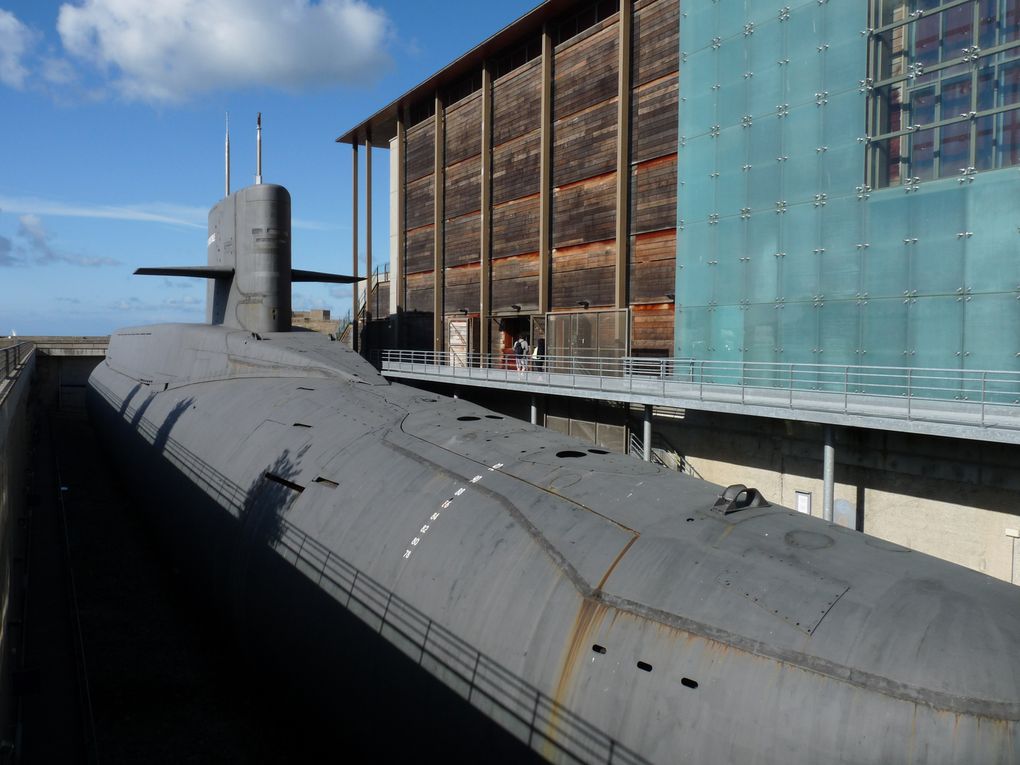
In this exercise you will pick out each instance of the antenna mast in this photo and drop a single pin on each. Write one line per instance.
(258, 150)
(226, 157)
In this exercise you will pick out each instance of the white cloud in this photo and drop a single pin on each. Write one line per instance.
(167, 50)
(15, 40)
(36, 246)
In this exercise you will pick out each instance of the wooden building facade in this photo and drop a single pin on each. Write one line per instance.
(537, 184)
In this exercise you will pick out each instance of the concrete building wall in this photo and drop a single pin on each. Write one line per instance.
(957, 500)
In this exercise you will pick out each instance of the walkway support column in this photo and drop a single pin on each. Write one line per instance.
(647, 434)
(828, 474)
(397, 259)
(354, 245)
(534, 409)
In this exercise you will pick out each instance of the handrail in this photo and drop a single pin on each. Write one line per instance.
(11, 358)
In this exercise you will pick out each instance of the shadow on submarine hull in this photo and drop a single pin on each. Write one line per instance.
(337, 688)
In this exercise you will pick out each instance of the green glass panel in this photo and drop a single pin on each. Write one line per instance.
(733, 103)
(802, 131)
(839, 335)
(726, 333)
(699, 107)
(798, 332)
(843, 118)
(800, 178)
(886, 261)
(764, 140)
(732, 63)
(732, 184)
(884, 332)
(991, 259)
(761, 333)
(842, 169)
(729, 271)
(767, 89)
(762, 275)
(692, 331)
(803, 36)
(937, 219)
(991, 338)
(698, 26)
(843, 240)
(763, 186)
(732, 16)
(935, 332)
(847, 55)
(799, 269)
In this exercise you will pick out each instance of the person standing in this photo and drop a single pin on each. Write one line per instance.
(521, 353)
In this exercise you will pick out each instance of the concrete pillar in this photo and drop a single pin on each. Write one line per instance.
(647, 434)
(534, 409)
(828, 474)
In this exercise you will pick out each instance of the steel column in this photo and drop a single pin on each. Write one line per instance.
(534, 409)
(545, 175)
(354, 245)
(438, 185)
(828, 474)
(647, 434)
(623, 156)
(368, 227)
(397, 257)
(485, 221)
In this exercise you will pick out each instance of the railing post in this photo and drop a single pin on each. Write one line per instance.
(984, 384)
(909, 393)
(846, 389)
(791, 373)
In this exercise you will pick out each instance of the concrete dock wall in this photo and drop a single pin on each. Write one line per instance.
(14, 445)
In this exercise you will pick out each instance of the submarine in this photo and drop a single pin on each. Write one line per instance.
(482, 579)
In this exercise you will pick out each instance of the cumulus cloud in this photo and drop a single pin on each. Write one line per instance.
(15, 40)
(164, 51)
(6, 253)
(36, 246)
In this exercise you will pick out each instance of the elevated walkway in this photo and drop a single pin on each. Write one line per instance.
(981, 405)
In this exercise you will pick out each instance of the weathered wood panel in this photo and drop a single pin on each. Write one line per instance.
(463, 240)
(420, 289)
(585, 211)
(653, 195)
(420, 156)
(464, 129)
(379, 303)
(515, 227)
(461, 288)
(655, 42)
(515, 282)
(463, 188)
(651, 328)
(652, 266)
(418, 256)
(654, 120)
(515, 167)
(584, 144)
(582, 272)
(517, 103)
(585, 71)
(419, 203)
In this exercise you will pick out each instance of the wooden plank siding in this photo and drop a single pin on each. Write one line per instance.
(652, 266)
(463, 129)
(583, 272)
(461, 287)
(419, 292)
(515, 227)
(581, 183)
(463, 238)
(515, 282)
(653, 195)
(419, 255)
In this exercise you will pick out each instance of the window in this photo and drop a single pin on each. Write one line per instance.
(945, 88)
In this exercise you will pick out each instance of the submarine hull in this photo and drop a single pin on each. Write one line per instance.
(515, 590)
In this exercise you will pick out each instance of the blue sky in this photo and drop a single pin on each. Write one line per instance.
(111, 138)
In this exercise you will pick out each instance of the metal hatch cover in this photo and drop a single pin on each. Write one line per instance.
(784, 587)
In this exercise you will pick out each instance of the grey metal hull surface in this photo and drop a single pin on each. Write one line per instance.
(594, 606)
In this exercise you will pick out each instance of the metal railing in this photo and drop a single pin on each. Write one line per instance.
(11, 358)
(972, 397)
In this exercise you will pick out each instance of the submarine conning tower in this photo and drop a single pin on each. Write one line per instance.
(249, 232)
